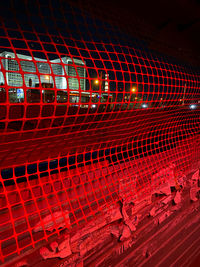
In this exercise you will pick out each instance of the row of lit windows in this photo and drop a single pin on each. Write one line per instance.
(16, 95)
(29, 66)
(32, 80)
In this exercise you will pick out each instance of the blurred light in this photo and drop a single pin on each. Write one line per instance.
(144, 105)
(47, 77)
(193, 106)
(96, 81)
(93, 106)
(133, 89)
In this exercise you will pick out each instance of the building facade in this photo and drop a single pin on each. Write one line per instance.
(23, 71)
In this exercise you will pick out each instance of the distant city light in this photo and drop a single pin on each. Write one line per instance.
(144, 105)
(193, 106)
(96, 81)
(93, 106)
(133, 89)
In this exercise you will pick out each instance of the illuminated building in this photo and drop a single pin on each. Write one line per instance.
(69, 74)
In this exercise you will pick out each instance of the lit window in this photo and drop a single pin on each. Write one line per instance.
(62, 96)
(16, 95)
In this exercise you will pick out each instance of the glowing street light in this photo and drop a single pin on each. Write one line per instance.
(193, 106)
(133, 89)
(96, 81)
(144, 105)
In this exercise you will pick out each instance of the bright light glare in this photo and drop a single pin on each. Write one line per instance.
(133, 89)
(47, 77)
(96, 81)
(144, 105)
(193, 106)
(93, 106)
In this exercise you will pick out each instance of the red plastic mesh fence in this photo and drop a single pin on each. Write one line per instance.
(89, 116)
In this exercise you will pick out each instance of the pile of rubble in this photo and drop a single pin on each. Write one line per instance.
(117, 227)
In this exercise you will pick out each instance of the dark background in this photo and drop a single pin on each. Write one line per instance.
(171, 27)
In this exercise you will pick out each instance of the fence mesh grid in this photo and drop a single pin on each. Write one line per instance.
(89, 116)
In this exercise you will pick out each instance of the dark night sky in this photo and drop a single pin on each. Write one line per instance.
(175, 23)
(170, 27)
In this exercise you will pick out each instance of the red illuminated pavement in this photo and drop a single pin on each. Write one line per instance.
(97, 131)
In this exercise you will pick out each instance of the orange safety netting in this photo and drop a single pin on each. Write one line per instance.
(88, 116)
